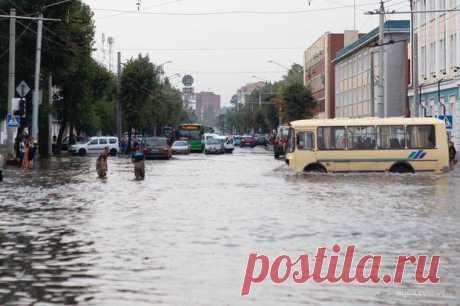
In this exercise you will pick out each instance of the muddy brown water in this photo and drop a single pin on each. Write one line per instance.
(183, 236)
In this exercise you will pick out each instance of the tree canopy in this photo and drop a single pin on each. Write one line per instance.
(281, 102)
(88, 89)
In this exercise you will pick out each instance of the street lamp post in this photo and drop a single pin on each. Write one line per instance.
(161, 69)
(260, 89)
(278, 64)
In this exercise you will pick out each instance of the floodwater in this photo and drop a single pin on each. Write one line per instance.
(183, 236)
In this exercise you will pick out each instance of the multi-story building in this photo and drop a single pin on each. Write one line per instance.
(207, 105)
(244, 92)
(319, 73)
(437, 37)
(357, 73)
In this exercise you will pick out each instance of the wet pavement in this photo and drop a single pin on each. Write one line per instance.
(183, 236)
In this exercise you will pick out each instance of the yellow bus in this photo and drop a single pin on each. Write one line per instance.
(399, 145)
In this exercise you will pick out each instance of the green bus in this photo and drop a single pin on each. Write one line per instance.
(192, 133)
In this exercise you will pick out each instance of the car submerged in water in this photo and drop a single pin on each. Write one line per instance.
(229, 145)
(180, 147)
(156, 148)
(248, 141)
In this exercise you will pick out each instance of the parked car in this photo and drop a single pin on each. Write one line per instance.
(156, 148)
(281, 140)
(228, 144)
(95, 145)
(67, 142)
(262, 140)
(180, 147)
(214, 146)
(248, 141)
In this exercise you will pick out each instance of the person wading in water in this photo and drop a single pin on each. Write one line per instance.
(138, 159)
(101, 163)
(452, 155)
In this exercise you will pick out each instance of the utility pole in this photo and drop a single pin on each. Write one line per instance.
(414, 61)
(11, 79)
(11, 73)
(119, 128)
(372, 84)
(36, 93)
(50, 117)
(381, 109)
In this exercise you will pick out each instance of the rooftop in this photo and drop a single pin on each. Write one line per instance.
(369, 121)
(391, 26)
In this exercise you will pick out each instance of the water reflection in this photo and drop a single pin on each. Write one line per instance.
(182, 236)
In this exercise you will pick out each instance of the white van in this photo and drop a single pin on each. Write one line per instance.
(96, 145)
(214, 145)
(229, 145)
(207, 136)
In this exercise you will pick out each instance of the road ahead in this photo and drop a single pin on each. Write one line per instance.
(183, 236)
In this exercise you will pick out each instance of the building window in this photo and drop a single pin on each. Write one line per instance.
(452, 105)
(453, 50)
(432, 8)
(433, 57)
(442, 55)
(423, 61)
(442, 5)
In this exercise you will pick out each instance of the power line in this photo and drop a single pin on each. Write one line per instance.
(17, 40)
(233, 12)
(158, 5)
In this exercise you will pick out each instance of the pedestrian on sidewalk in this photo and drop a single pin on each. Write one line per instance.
(101, 163)
(138, 159)
(452, 154)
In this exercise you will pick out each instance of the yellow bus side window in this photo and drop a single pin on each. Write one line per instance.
(421, 136)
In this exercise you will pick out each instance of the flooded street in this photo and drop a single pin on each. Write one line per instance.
(183, 236)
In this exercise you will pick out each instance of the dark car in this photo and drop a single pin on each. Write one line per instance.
(262, 140)
(248, 141)
(156, 148)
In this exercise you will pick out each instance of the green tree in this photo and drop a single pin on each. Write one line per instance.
(294, 76)
(139, 81)
(299, 102)
(66, 53)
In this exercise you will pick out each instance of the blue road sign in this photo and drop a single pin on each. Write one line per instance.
(448, 120)
(13, 121)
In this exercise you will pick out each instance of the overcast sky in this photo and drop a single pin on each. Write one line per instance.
(223, 52)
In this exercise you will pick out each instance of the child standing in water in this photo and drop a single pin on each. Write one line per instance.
(138, 159)
(101, 163)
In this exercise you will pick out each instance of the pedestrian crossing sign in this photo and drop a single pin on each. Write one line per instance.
(448, 120)
(13, 121)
